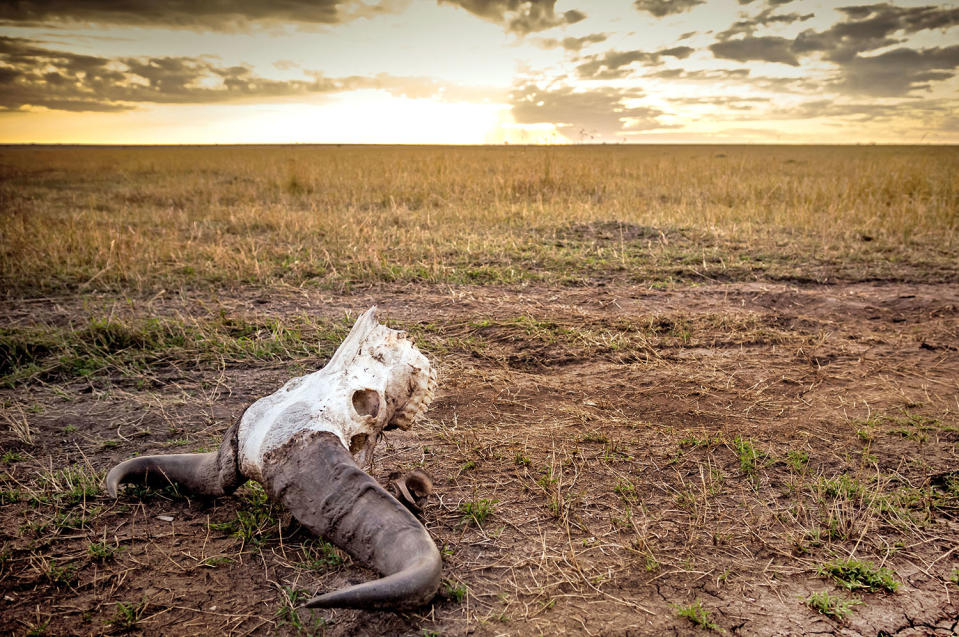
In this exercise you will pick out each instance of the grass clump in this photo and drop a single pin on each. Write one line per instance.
(477, 511)
(70, 486)
(60, 575)
(126, 616)
(841, 486)
(860, 575)
(698, 615)
(214, 562)
(522, 461)
(455, 591)
(102, 552)
(831, 606)
(320, 555)
(287, 614)
(749, 456)
(256, 520)
(797, 460)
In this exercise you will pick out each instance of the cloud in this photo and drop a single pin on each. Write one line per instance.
(929, 115)
(234, 15)
(766, 49)
(67, 81)
(764, 18)
(572, 44)
(870, 27)
(733, 102)
(701, 75)
(899, 71)
(33, 76)
(741, 76)
(614, 64)
(662, 8)
(849, 44)
(597, 113)
(865, 28)
(519, 16)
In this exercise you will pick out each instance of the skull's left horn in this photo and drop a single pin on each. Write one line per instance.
(213, 474)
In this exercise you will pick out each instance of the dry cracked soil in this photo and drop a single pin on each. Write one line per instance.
(608, 460)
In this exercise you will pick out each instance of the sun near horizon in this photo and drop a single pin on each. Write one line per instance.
(479, 72)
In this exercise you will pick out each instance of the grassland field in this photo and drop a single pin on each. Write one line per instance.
(682, 388)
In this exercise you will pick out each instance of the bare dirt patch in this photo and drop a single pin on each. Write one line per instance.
(637, 452)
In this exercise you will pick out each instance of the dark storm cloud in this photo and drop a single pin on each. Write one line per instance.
(572, 44)
(662, 8)
(32, 76)
(599, 112)
(614, 64)
(519, 16)
(765, 49)
(224, 15)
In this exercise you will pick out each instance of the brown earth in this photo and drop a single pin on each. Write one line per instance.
(604, 425)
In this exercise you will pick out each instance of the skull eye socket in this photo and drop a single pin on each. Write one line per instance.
(357, 442)
(366, 402)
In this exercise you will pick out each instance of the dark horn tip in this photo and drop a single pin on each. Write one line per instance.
(412, 489)
(112, 482)
(413, 587)
(118, 474)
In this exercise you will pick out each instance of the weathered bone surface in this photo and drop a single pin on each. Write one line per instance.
(300, 443)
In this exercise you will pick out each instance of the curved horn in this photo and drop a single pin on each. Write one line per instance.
(316, 479)
(213, 474)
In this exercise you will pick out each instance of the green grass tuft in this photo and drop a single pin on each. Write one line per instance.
(477, 511)
(860, 575)
(698, 615)
(831, 606)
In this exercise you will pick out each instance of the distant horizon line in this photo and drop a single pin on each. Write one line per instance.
(440, 145)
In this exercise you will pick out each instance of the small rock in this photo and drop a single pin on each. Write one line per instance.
(165, 518)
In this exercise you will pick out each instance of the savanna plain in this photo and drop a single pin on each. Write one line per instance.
(682, 388)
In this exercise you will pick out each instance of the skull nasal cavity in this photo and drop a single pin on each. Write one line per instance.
(366, 402)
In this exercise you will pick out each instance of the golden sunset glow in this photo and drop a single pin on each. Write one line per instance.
(497, 71)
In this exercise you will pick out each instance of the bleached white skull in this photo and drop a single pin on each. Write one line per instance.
(303, 444)
(376, 380)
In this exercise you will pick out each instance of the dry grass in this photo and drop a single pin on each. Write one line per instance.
(138, 219)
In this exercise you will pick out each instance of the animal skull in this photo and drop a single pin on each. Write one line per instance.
(376, 380)
(299, 442)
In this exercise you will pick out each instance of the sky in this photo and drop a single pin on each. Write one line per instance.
(478, 71)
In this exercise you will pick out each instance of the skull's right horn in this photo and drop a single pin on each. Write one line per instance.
(324, 489)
